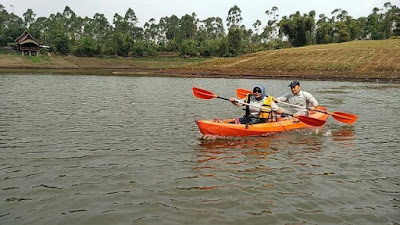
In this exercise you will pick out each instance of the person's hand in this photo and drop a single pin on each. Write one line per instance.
(279, 111)
(295, 119)
(312, 108)
(276, 101)
(232, 100)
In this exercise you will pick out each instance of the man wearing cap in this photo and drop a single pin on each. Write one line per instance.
(301, 99)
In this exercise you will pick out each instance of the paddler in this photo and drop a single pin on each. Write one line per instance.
(303, 101)
(255, 114)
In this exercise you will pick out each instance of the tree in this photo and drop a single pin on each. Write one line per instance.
(235, 41)
(151, 30)
(12, 27)
(213, 27)
(256, 37)
(38, 29)
(29, 17)
(374, 25)
(271, 31)
(299, 29)
(234, 17)
(61, 43)
(169, 26)
(130, 17)
(123, 43)
(187, 27)
(354, 28)
(391, 19)
(343, 32)
(188, 48)
(324, 30)
(98, 27)
(87, 46)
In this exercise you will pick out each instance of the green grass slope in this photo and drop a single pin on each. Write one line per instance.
(350, 60)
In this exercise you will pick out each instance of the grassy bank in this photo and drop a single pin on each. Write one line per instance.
(16, 63)
(359, 60)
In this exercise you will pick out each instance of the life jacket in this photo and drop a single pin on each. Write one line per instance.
(265, 112)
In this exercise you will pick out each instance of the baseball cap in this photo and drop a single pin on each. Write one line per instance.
(294, 83)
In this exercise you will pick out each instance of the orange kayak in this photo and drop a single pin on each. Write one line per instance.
(225, 128)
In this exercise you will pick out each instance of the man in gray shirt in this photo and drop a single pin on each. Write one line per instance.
(301, 100)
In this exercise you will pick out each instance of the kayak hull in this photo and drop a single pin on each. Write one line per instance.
(226, 129)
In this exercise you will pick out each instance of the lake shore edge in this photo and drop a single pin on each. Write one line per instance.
(185, 73)
(365, 60)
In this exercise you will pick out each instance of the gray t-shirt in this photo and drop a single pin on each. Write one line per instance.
(303, 100)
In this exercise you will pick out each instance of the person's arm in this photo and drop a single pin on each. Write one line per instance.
(274, 106)
(311, 100)
(283, 98)
(236, 101)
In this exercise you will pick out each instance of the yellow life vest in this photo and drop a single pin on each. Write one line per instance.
(266, 111)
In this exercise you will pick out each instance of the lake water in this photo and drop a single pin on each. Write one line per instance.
(126, 150)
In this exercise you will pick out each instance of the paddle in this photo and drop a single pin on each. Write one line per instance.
(242, 93)
(339, 116)
(204, 94)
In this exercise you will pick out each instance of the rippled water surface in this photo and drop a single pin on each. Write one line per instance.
(126, 150)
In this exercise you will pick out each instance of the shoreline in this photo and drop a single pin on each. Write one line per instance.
(303, 75)
(361, 61)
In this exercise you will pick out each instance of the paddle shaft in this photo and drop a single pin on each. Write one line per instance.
(243, 103)
(335, 115)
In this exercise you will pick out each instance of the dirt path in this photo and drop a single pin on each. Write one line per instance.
(238, 62)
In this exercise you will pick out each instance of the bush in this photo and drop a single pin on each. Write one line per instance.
(188, 48)
(87, 46)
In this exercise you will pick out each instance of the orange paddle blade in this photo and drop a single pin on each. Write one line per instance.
(311, 121)
(344, 117)
(242, 93)
(203, 94)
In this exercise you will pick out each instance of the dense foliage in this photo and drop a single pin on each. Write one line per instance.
(67, 33)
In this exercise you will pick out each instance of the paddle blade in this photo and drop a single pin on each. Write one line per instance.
(242, 93)
(311, 121)
(344, 117)
(203, 94)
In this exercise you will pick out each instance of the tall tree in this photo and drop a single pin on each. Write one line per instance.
(213, 27)
(187, 27)
(324, 30)
(234, 17)
(299, 29)
(374, 25)
(235, 41)
(151, 30)
(170, 26)
(271, 30)
(29, 17)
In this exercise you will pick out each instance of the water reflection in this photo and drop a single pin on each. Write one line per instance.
(250, 153)
(343, 136)
(238, 143)
(343, 133)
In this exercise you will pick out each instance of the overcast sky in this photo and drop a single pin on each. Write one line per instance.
(147, 9)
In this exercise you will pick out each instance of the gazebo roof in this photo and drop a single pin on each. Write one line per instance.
(26, 37)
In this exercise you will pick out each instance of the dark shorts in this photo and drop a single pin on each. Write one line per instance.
(245, 120)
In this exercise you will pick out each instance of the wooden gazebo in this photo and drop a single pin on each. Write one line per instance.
(27, 44)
